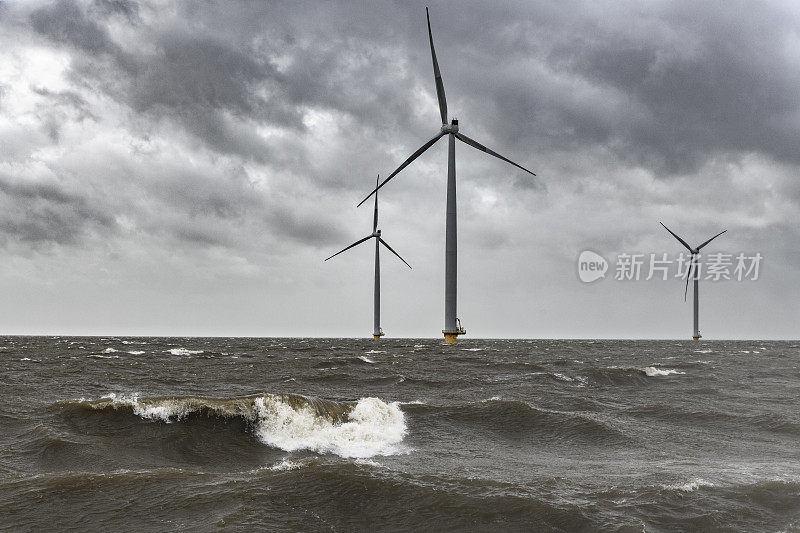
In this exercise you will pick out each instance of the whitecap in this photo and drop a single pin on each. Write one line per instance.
(375, 351)
(287, 466)
(690, 486)
(183, 351)
(471, 349)
(653, 371)
(373, 427)
(136, 352)
(110, 350)
(368, 462)
(366, 359)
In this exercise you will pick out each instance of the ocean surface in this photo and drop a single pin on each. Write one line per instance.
(171, 434)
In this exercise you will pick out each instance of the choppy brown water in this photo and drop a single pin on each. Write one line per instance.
(153, 434)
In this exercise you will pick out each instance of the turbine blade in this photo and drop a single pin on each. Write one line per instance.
(712, 238)
(405, 164)
(437, 75)
(375, 219)
(679, 239)
(688, 277)
(354, 244)
(482, 148)
(395, 253)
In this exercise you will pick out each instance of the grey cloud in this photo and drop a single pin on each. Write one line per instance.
(41, 213)
(126, 8)
(65, 22)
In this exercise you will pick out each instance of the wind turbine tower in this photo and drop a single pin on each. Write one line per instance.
(690, 273)
(452, 325)
(377, 332)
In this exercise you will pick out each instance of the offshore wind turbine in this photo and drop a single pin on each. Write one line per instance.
(689, 273)
(452, 325)
(377, 332)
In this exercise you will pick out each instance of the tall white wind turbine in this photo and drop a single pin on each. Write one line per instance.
(452, 325)
(377, 332)
(690, 274)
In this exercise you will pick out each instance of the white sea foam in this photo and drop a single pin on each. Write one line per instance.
(165, 411)
(286, 466)
(99, 356)
(690, 486)
(110, 350)
(471, 349)
(366, 359)
(136, 352)
(653, 371)
(368, 462)
(703, 351)
(184, 351)
(375, 351)
(373, 427)
(26, 359)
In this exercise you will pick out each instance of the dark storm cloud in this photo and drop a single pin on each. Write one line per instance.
(126, 8)
(222, 85)
(41, 213)
(664, 85)
(66, 23)
(733, 90)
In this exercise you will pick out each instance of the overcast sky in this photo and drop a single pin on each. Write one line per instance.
(183, 168)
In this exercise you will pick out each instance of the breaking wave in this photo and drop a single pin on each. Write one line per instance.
(290, 422)
(653, 371)
(183, 351)
(689, 486)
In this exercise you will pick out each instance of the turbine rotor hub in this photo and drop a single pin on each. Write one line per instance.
(450, 128)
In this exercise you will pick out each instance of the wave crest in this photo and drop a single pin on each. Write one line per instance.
(291, 422)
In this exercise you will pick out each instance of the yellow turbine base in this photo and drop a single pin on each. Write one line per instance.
(697, 338)
(451, 337)
(378, 336)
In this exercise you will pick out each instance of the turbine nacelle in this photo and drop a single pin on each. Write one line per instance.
(376, 233)
(450, 128)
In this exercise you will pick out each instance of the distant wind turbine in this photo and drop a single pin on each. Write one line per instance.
(689, 274)
(452, 325)
(377, 332)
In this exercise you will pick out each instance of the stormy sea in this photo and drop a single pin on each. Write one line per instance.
(203, 434)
